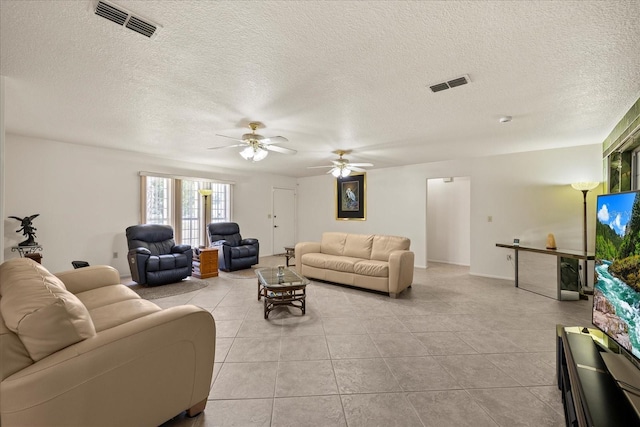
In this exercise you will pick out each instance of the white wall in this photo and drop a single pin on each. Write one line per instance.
(87, 196)
(527, 194)
(449, 220)
(394, 200)
(2, 162)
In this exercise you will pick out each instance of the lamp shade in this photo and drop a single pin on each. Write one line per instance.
(585, 186)
(247, 153)
(205, 191)
(260, 154)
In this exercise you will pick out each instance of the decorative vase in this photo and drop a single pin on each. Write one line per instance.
(551, 241)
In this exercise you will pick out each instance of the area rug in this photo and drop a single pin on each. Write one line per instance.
(250, 273)
(154, 292)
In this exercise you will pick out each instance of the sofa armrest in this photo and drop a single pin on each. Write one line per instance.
(87, 278)
(400, 270)
(166, 357)
(249, 241)
(305, 248)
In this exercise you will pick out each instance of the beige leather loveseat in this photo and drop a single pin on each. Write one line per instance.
(381, 263)
(81, 349)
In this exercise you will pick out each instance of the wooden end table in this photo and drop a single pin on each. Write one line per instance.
(290, 252)
(205, 263)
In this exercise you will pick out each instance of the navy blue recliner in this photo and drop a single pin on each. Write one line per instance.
(234, 252)
(154, 258)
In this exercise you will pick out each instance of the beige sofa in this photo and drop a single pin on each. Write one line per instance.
(81, 349)
(377, 262)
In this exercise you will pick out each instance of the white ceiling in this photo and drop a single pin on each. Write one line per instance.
(326, 75)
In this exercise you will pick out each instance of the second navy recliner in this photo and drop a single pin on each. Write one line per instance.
(234, 252)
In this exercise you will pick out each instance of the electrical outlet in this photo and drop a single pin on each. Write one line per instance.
(115, 255)
(509, 257)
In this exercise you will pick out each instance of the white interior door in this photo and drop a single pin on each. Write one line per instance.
(284, 219)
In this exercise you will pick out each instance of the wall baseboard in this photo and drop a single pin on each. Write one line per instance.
(491, 276)
(448, 262)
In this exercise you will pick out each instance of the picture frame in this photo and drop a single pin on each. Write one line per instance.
(351, 198)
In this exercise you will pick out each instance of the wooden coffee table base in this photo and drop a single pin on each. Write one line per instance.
(294, 296)
(281, 286)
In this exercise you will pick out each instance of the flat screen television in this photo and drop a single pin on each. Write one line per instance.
(616, 298)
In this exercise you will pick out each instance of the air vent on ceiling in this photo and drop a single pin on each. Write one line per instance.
(121, 16)
(458, 81)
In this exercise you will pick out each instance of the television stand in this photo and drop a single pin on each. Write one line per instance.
(626, 374)
(590, 394)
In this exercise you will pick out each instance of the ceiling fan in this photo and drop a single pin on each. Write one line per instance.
(341, 167)
(257, 147)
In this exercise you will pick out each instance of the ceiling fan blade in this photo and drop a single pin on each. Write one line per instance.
(274, 140)
(230, 137)
(318, 167)
(366, 165)
(282, 150)
(356, 169)
(227, 146)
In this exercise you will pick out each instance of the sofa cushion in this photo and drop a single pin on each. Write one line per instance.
(121, 312)
(333, 243)
(36, 306)
(341, 263)
(372, 268)
(358, 245)
(384, 245)
(105, 295)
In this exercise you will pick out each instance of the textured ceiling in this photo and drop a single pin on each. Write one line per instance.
(326, 75)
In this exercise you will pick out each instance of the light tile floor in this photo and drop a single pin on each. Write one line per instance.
(454, 350)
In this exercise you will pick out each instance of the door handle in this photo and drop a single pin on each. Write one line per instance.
(275, 226)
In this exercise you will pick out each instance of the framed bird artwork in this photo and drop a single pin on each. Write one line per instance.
(351, 197)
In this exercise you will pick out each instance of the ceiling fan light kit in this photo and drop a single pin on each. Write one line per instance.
(254, 154)
(341, 172)
(342, 168)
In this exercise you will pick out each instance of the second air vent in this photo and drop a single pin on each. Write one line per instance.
(458, 81)
(121, 16)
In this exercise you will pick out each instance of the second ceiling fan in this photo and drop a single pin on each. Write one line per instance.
(342, 167)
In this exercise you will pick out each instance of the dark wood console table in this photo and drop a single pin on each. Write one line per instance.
(559, 253)
(590, 394)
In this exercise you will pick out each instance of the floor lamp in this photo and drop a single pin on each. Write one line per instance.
(205, 192)
(585, 187)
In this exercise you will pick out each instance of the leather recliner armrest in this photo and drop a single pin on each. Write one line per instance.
(142, 251)
(179, 249)
(137, 259)
(249, 241)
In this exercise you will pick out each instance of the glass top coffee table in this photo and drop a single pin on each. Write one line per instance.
(290, 288)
